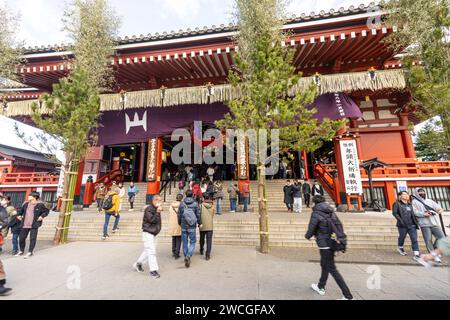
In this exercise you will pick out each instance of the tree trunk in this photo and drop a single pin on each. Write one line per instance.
(62, 210)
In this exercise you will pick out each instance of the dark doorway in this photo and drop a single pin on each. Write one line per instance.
(125, 158)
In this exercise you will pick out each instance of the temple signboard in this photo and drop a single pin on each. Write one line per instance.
(243, 159)
(350, 165)
(152, 160)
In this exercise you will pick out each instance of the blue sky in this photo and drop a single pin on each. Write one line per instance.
(41, 23)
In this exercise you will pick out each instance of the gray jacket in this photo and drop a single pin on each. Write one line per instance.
(3, 218)
(419, 211)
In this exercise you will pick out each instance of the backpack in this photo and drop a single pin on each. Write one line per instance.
(190, 217)
(338, 236)
(108, 203)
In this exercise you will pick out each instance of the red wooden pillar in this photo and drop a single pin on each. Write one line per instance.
(406, 137)
(79, 182)
(354, 126)
(389, 189)
(305, 160)
(154, 168)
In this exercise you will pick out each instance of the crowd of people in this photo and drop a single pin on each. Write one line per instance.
(418, 212)
(296, 194)
(196, 205)
(21, 223)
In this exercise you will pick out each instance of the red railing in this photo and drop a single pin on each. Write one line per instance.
(411, 169)
(32, 178)
(324, 173)
(116, 175)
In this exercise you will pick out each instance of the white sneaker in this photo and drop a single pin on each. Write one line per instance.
(316, 288)
(19, 254)
(344, 298)
(131, 210)
(138, 267)
(29, 255)
(437, 260)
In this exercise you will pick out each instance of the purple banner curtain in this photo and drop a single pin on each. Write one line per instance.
(139, 125)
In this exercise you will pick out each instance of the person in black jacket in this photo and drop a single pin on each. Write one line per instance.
(306, 188)
(14, 226)
(151, 227)
(317, 189)
(31, 216)
(407, 223)
(320, 229)
(288, 198)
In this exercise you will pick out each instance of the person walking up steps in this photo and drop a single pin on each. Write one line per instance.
(427, 212)
(320, 228)
(31, 216)
(189, 218)
(99, 196)
(207, 229)
(174, 227)
(233, 194)
(151, 227)
(111, 206)
(132, 192)
(406, 223)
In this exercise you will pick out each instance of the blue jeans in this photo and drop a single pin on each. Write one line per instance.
(218, 206)
(412, 231)
(186, 235)
(233, 204)
(245, 201)
(15, 241)
(108, 216)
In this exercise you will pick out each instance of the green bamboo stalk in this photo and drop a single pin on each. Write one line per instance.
(72, 185)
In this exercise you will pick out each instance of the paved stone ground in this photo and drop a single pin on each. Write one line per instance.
(233, 273)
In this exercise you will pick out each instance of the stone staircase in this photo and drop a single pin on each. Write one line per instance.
(365, 231)
(286, 230)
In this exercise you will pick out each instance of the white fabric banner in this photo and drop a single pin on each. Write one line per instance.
(350, 164)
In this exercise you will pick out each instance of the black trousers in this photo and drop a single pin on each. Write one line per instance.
(290, 205)
(329, 267)
(176, 246)
(209, 237)
(307, 198)
(23, 238)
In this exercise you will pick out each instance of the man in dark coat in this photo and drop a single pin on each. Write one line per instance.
(306, 188)
(407, 223)
(317, 189)
(31, 216)
(288, 197)
(151, 227)
(320, 229)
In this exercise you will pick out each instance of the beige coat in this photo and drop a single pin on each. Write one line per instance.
(174, 227)
(207, 216)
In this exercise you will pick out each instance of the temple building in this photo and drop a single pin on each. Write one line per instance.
(168, 81)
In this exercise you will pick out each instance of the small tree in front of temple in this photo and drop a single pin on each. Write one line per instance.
(424, 29)
(264, 74)
(71, 111)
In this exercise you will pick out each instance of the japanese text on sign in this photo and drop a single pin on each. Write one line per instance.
(350, 164)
